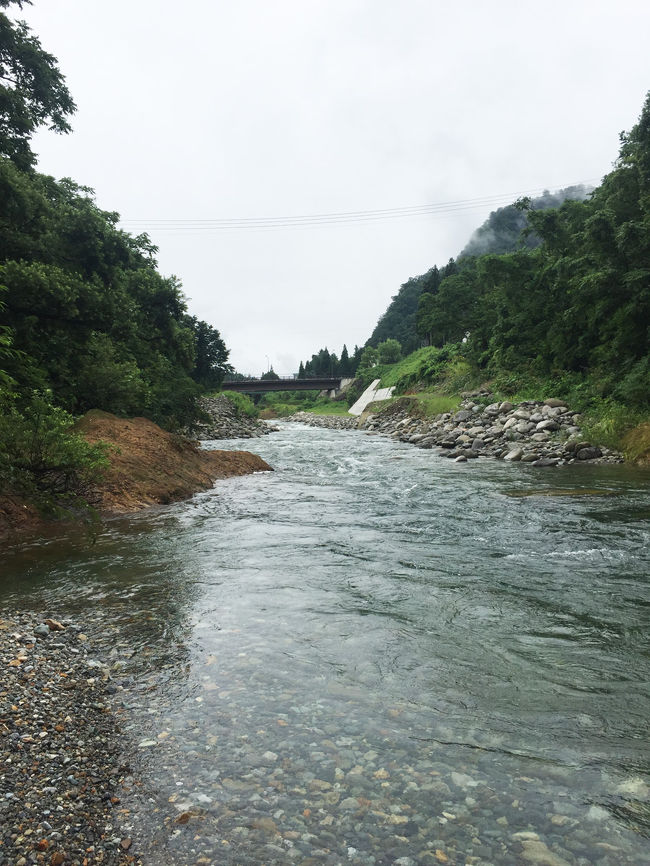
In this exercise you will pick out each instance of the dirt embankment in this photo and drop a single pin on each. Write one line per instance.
(148, 467)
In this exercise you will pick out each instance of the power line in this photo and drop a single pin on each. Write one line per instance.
(324, 219)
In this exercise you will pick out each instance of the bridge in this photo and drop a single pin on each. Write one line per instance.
(262, 386)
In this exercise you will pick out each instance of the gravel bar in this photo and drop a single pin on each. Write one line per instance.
(61, 749)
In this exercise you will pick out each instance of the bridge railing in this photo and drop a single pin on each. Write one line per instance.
(253, 386)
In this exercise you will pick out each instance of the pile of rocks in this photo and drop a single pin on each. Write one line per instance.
(540, 433)
(61, 770)
(331, 422)
(226, 422)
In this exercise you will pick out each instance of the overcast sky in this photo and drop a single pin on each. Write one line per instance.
(256, 109)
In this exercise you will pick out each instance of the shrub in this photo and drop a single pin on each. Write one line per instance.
(42, 458)
(243, 404)
(389, 352)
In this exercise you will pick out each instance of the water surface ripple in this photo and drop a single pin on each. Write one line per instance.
(373, 655)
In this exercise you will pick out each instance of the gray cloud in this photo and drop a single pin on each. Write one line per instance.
(309, 106)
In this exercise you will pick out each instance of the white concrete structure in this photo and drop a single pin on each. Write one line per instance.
(372, 394)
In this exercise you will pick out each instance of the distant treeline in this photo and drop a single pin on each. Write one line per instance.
(325, 363)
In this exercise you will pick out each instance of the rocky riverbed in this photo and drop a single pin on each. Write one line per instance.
(542, 433)
(226, 422)
(63, 768)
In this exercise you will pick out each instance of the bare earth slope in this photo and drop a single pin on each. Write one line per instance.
(148, 467)
(153, 467)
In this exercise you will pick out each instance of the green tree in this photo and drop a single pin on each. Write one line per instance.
(211, 365)
(345, 366)
(368, 359)
(389, 352)
(32, 90)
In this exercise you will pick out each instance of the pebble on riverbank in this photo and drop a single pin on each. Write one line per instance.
(61, 760)
(541, 433)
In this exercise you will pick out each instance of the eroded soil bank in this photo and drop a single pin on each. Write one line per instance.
(148, 467)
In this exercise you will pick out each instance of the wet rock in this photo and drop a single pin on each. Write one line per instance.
(54, 625)
(589, 453)
(535, 851)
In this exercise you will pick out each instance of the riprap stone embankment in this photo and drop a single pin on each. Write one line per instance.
(332, 422)
(542, 433)
(226, 422)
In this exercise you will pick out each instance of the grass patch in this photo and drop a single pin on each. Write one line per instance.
(424, 365)
(243, 404)
(281, 410)
(327, 407)
(636, 444)
(433, 403)
(424, 404)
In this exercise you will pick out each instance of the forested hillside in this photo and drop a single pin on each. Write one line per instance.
(86, 320)
(555, 290)
(576, 306)
(86, 317)
(506, 230)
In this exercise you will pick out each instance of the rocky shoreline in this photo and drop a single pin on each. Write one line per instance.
(541, 433)
(63, 769)
(225, 422)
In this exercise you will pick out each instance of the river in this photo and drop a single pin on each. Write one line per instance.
(374, 655)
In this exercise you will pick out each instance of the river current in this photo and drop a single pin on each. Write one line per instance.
(375, 655)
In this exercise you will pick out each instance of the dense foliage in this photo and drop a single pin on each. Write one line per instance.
(40, 456)
(32, 89)
(506, 230)
(88, 313)
(326, 363)
(579, 303)
(86, 320)
(89, 318)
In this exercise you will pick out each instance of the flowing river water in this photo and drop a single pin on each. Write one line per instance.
(374, 655)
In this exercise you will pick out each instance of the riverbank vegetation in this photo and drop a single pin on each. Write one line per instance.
(87, 321)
